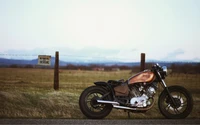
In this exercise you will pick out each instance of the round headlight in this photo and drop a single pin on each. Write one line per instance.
(164, 69)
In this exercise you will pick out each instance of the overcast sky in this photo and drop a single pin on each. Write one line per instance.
(163, 29)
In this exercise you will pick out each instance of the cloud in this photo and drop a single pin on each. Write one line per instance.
(174, 54)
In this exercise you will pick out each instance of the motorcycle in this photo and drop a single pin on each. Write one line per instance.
(136, 95)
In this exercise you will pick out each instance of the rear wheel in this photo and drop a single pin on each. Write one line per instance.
(182, 105)
(88, 103)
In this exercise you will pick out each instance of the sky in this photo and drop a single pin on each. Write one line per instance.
(166, 30)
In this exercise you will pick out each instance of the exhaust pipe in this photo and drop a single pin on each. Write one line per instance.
(107, 102)
(133, 109)
(123, 107)
(117, 106)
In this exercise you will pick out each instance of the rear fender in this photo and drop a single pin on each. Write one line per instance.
(106, 86)
(101, 83)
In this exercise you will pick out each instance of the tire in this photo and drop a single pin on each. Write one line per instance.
(183, 100)
(88, 105)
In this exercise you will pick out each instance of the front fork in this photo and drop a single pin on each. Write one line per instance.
(166, 89)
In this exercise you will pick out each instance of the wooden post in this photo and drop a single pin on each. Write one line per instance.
(142, 63)
(56, 71)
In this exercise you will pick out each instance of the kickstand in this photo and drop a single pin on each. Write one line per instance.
(129, 115)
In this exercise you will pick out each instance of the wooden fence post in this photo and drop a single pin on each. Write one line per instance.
(142, 62)
(56, 71)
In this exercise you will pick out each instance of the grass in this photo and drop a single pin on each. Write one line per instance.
(29, 93)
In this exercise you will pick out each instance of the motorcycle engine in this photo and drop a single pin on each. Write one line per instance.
(140, 94)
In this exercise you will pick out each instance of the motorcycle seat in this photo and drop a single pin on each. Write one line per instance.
(115, 82)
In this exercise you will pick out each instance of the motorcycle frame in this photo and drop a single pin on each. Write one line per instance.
(110, 87)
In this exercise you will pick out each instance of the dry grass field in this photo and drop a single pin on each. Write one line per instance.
(29, 93)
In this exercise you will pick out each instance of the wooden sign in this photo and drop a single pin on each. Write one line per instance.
(44, 60)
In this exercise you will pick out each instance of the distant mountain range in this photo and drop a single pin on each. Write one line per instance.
(7, 62)
(87, 55)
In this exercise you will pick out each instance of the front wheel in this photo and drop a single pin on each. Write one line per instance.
(182, 105)
(88, 103)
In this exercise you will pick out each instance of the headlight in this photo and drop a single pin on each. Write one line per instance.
(164, 69)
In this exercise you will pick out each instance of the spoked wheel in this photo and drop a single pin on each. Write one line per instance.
(88, 103)
(181, 105)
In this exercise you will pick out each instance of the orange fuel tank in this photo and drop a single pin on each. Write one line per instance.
(144, 76)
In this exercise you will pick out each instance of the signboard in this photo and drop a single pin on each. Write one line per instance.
(44, 60)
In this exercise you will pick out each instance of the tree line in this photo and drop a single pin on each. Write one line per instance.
(186, 68)
(95, 67)
(75, 67)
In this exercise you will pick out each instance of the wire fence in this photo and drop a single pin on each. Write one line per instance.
(65, 56)
(64, 59)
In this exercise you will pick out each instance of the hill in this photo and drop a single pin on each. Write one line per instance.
(22, 62)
